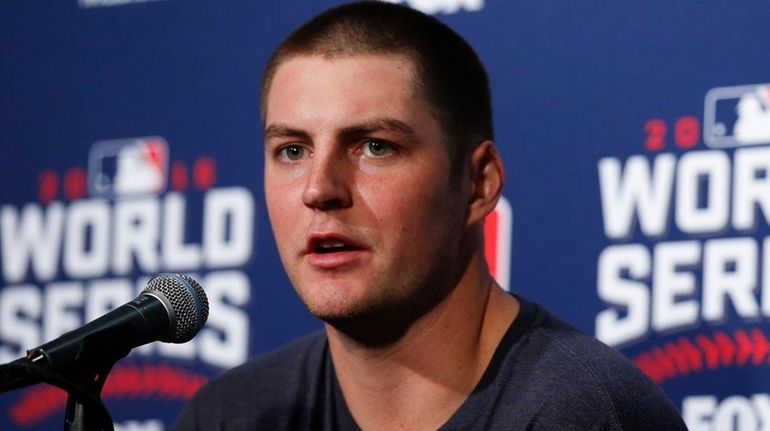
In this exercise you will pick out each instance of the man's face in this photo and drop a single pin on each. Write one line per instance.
(357, 186)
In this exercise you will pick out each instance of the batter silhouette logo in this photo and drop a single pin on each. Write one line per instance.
(737, 116)
(128, 167)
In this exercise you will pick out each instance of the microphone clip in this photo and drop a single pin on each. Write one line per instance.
(85, 410)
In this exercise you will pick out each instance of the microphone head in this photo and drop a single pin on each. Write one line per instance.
(186, 302)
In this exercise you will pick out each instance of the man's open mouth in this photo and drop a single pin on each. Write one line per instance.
(331, 243)
(333, 246)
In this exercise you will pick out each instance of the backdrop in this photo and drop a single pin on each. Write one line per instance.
(635, 137)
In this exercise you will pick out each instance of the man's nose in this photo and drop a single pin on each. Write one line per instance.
(327, 186)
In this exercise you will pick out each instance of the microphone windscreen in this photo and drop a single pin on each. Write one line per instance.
(189, 307)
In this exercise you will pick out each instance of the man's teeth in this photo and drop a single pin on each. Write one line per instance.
(330, 246)
(333, 245)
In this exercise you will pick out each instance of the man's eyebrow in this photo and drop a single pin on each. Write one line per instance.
(377, 125)
(350, 132)
(282, 131)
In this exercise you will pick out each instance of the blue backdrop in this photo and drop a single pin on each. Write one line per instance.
(635, 137)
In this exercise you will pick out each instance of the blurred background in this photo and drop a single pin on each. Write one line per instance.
(636, 138)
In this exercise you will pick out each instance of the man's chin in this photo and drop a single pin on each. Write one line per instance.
(371, 325)
(340, 301)
(373, 317)
(344, 314)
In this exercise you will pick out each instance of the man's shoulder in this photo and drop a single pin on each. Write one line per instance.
(281, 370)
(269, 387)
(583, 374)
(583, 353)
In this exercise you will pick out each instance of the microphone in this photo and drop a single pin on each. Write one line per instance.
(172, 308)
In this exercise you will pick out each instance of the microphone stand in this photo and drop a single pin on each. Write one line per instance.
(81, 414)
(83, 383)
(89, 412)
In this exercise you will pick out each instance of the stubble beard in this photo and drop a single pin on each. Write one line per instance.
(392, 305)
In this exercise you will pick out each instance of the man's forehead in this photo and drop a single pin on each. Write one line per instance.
(375, 89)
(300, 67)
(373, 61)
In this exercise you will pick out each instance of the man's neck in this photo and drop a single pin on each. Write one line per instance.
(419, 381)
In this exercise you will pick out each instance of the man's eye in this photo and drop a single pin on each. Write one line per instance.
(377, 148)
(292, 152)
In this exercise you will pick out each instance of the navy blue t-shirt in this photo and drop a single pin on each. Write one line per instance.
(544, 375)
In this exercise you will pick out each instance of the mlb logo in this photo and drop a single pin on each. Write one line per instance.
(128, 167)
(498, 226)
(737, 116)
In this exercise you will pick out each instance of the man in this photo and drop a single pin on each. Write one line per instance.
(379, 171)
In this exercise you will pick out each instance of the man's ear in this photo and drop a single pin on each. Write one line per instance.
(487, 175)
